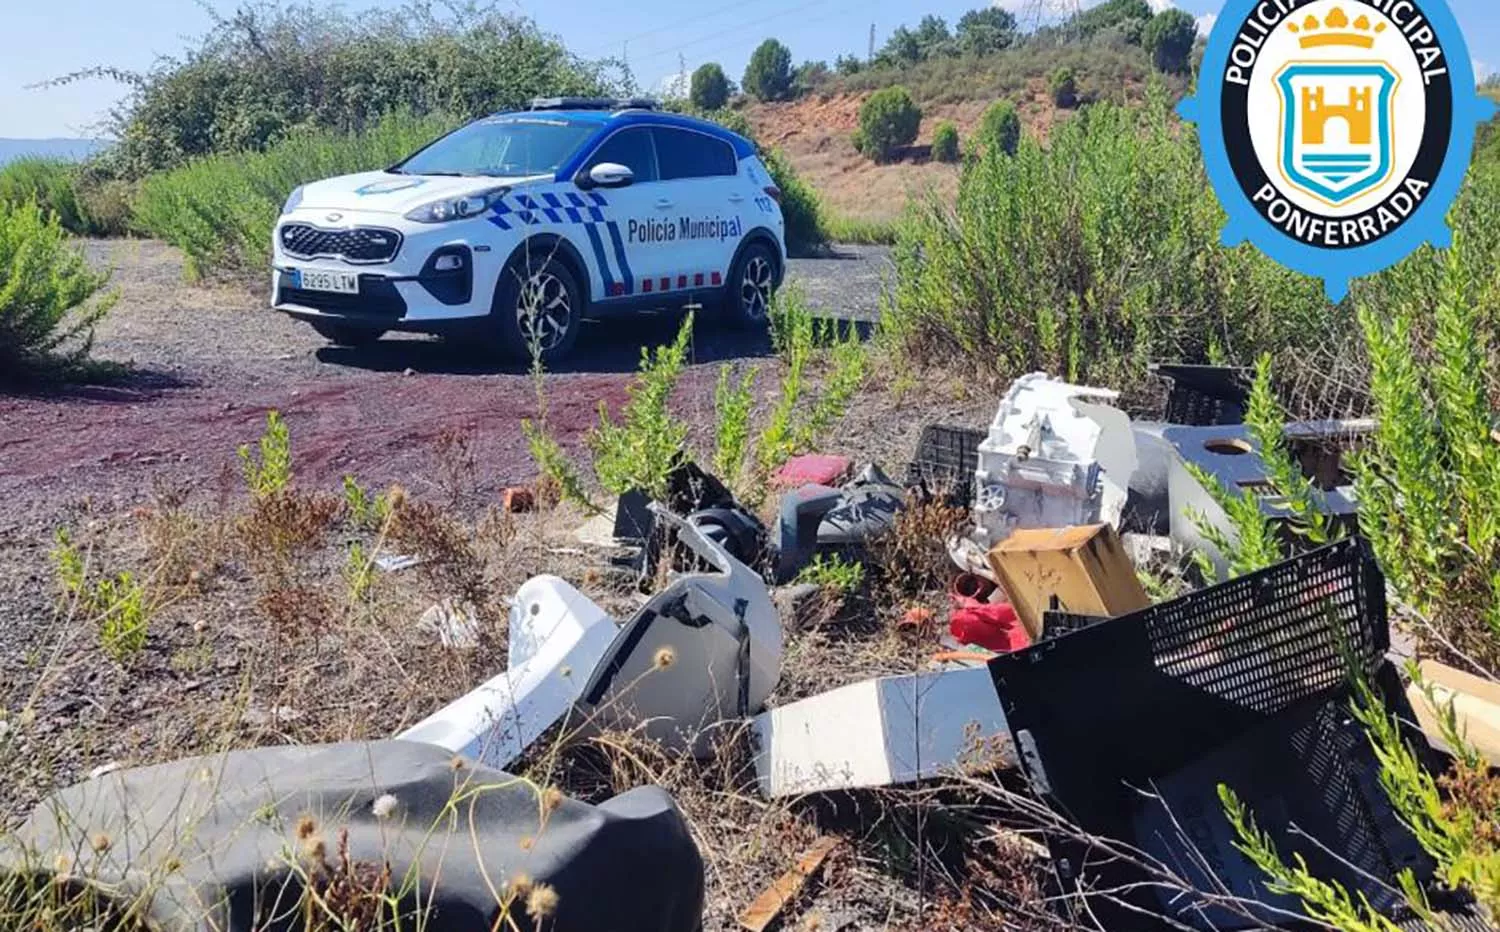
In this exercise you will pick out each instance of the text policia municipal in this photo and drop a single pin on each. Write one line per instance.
(1269, 14)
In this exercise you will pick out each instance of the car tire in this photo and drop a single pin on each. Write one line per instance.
(751, 286)
(347, 334)
(550, 286)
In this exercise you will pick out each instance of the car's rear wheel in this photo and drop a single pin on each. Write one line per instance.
(538, 308)
(752, 284)
(348, 334)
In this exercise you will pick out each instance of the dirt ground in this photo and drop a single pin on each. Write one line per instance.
(145, 476)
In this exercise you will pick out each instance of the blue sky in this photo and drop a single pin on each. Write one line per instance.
(131, 33)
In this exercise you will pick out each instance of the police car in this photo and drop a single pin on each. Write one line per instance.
(519, 225)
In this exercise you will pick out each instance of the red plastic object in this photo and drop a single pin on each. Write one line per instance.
(970, 587)
(814, 469)
(991, 625)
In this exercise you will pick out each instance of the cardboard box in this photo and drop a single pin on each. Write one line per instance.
(1085, 567)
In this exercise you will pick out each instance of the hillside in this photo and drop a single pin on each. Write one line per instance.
(815, 130)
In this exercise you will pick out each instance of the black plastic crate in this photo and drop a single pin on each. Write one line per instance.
(945, 462)
(1127, 726)
(1203, 396)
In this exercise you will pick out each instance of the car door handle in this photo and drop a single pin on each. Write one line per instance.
(663, 203)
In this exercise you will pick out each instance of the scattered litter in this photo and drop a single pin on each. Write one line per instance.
(455, 625)
(1244, 684)
(991, 625)
(881, 732)
(275, 715)
(767, 909)
(516, 499)
(103, 769)
(1204, 395)
(1476, 703)
(945, 463)
(1057, 455)
(391, 563)
(1077, 569)
(813, 469)
(817, 519)
(705, 649)
(598, 532)
(1229, 455)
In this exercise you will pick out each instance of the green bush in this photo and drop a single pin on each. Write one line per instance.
(768, 76)
(710, 88)
(270, 71)
(50, 299)
(945, 142)
(1169, 37)
(888, 120)
(1000, 128)
(1063, 85)
(1091, 259)
(50, 184)
(801, 207)
(220, 210)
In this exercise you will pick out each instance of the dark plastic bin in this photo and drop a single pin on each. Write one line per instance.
(945, 462)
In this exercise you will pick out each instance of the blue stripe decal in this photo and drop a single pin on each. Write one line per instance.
(609, 279)
(598, 198)
(499, 221)
(614, 234)
(526, 201)
(596, 215)
(552, 216)
(527, 217)
(575, 200)
(573, 215)
(552, 199)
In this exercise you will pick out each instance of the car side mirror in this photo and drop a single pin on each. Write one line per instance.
(609, 175)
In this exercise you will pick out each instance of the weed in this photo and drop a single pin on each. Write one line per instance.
(69, 563)
(365, 510)
(122, 615)
(732, 410)
(268, 467)
(359, 573)
(913, 555)
(833, 572)
(560, 478)
(283, 524)
(643, 449)
(450, 564)
(457, 468)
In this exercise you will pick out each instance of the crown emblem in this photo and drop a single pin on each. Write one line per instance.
(1335, 29)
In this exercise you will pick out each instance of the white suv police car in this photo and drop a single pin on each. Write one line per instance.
(520, 224)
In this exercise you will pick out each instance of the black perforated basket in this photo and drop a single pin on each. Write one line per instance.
(945, 462)
(1202, 396)
(1128, 726)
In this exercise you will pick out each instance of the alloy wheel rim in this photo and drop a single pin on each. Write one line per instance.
(544, 311)
(755, 288)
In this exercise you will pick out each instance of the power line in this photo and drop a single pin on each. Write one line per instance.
(732, 29)
(677, 25)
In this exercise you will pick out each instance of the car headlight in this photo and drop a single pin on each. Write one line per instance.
(292, 201)
(458, 208)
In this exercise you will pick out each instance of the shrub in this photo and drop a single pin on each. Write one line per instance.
(1000, 128)
(50, 184)
(1169, 37)
(985, 31)
(641, 450)
(1063, 87)
(847, 65)
(50, 300)
(768, 76)
(1090, 259)
(888, 119)
(270, 71)
(220, 210)
(800, 206)
(945, 142)
(710, 88)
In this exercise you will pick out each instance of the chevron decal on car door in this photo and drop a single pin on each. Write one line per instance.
(614, 234)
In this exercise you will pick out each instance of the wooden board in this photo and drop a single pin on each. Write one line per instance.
(766, 911)
(1475, 700)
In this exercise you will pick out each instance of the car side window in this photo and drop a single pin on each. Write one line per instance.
(686, 154)
(632, 148)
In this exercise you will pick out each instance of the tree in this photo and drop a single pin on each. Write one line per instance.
(848, 64)
(945, 142)
(1169, 37)
(1000, 127)
(982, 32)
(710, 88)
(902, 48)
(933, 38)
(888, 119)
(809, 75)
(1112, 13)
(769, 74)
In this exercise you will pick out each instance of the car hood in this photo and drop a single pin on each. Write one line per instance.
(384, 192)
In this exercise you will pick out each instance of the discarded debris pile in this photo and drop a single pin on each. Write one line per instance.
(1123, 714)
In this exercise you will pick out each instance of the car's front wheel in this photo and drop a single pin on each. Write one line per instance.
(348, 334)
(538, 308)
(752, 284)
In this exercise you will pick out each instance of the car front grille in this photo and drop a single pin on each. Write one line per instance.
(359, 244)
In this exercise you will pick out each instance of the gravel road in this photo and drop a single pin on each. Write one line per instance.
(210, 361)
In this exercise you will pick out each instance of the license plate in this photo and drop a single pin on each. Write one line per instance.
(318, 280)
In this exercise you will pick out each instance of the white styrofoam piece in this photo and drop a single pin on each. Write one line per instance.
(557, 638)
(880, 732)
(1057, 455)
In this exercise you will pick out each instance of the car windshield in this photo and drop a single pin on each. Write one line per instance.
(510, 146)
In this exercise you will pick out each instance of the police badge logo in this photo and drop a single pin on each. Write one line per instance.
(1337, 132)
